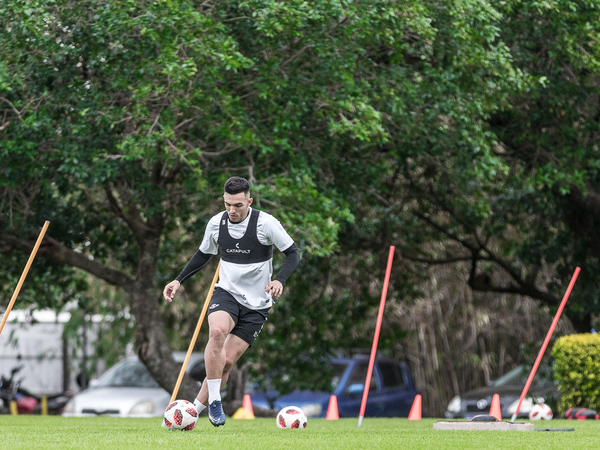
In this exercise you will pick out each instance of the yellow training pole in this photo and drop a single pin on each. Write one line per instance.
(196, 332)
(44, 406)
(22, 279)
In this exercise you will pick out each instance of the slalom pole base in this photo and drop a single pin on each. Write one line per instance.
(360, 419)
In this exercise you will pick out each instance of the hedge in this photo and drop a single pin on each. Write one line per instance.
(577, 371)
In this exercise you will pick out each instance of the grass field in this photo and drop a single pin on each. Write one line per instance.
(51, 432)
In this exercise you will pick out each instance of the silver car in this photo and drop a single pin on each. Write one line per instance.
(128, 390)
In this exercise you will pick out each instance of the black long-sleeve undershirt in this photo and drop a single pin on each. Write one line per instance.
(292, 258)
(199, 260)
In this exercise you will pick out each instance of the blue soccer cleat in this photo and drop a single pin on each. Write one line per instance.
(216, 414)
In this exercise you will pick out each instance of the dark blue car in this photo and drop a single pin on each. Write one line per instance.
(391, 392)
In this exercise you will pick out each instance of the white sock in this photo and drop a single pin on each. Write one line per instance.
(214, 390)
(199, 406)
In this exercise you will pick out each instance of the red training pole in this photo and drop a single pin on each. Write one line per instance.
(545, 344)
(363, 405)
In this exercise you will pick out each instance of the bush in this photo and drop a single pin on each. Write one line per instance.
(577, 370)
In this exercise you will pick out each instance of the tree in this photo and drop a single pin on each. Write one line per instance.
(111, 113)
(524, 227)
(360, 125)
(553, 147)
(427, 92)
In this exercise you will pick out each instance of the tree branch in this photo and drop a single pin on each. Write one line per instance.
(441, 229)
(482, 246)
(434, 261)
(133, 220)
(527, 290)
(15, 110)
(295, 55)
(482, 281)
(155, 173)
(53, 250)
(169, 177)
(236, 18)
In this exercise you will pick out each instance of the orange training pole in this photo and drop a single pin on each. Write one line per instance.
(363, 405)
(196, 332)
(545, 344)
(24, 274)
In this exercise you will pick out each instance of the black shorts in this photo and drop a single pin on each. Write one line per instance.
(248, 322)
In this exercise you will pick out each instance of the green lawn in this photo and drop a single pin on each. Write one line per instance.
(50, 432)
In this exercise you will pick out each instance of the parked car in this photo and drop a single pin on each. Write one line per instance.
(391, 392)
(128, 390)
(509, 388)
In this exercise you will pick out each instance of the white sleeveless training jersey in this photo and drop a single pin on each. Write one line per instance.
(247, 282)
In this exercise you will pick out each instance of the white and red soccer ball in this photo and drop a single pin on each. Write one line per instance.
(541, 411)
(181, 415)
(291, 417)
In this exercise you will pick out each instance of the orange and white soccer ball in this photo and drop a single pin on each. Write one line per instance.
(541, 411)
(181, 415)
(291, 417)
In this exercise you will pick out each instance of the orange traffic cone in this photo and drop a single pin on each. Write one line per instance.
(242, 413)
(415, 411)
(247, 404)
(495, 409)
(332, 409)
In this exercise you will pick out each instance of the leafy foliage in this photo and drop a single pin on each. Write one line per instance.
(576, 371)
(454, 130)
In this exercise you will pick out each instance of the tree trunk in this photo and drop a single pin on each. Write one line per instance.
(236, 389)
(152, 347)
(151, 342)
(582, 324)
(236, 385)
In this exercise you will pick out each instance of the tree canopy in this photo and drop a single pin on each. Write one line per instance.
(461, 132)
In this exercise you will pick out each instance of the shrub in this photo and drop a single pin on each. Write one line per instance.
(577, 370)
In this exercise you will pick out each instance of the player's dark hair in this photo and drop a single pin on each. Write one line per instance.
(235, 185)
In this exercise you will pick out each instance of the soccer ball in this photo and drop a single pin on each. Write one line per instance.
(181, 415)
(540, 411)
(291, 417)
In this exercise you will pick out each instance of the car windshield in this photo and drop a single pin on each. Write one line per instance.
(338, 372)
(128, 374)
(518, 377)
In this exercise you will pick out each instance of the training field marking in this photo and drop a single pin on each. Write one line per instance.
(482, 426)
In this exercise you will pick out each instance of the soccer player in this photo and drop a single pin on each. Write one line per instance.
(238, 309)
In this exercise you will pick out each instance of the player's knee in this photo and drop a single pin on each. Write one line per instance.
(217, 334)
(228, 365)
